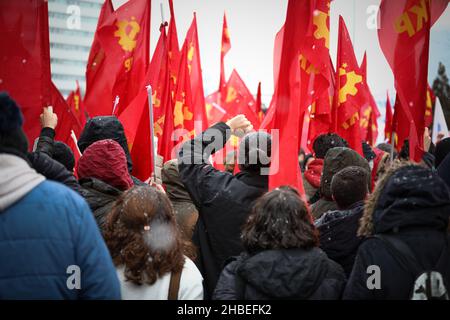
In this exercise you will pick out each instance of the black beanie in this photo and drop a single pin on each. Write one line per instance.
(368, 152)
(63, 154)
(12, 137)
(255, 151)
(441, 151)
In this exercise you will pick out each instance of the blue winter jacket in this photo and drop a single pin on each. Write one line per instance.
(50, 245)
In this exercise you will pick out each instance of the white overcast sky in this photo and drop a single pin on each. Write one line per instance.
(253, 24)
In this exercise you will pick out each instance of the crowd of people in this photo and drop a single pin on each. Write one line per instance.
(368, 227)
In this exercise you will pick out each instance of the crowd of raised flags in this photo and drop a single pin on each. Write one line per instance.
(311, 95)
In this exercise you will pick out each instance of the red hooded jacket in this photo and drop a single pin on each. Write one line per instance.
(105, 160)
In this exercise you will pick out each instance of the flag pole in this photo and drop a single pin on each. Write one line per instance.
(152, 135)
(391, 155)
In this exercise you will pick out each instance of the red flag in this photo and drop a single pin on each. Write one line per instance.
(404, 38)
(350, 92)
(214, 112)
(314, 58)
(258, 106)
(320, 114)
(68, 127)
(25, 59)
(76, 105)
(429, 106)
(174, 49)
(388, 121)
(226, 46)
(369, 111)
(195, 76)
(267, 122)
(125, 38)
(284, 169)
(239, 100)
(98, 98)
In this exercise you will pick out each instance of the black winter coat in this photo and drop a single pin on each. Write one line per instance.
(53, 170)
(101, 197)
(337, 230)
(414, 207)
(224, 201)
(281, 274)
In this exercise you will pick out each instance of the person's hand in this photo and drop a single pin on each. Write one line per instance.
(48, 118)
(426, 139)
(239, 125)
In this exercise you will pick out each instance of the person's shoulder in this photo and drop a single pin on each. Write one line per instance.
(190, 270)
(59, 190)
(60, 197)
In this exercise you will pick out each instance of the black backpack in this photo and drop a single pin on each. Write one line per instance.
(428, 284)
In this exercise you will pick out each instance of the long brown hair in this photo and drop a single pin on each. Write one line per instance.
(279, 220)
(141, 234)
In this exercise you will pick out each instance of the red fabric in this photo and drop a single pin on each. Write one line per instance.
(286, 109)
(125, 39)
(239, 100)
(376, 162)
(195, 77)
(404, 38)
(350, 92)
(76, 105)
(226, 46)
(258, 108)
(429, 106)
(98, 99)
(25, 59)
(314, 172)
(105, 160)
(388, 121)
(320, 116)
(67, 122)
(214, 111)
(369, 111)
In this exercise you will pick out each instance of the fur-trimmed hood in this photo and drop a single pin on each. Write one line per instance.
(408, 195)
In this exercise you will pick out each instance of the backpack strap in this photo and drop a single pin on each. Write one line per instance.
(174, 286)
(402, 253)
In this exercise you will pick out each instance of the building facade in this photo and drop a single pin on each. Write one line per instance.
(72, 26)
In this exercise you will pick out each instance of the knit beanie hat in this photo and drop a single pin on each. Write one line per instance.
(12, 137)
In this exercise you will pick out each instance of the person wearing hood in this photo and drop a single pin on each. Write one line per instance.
(223, 200)
(441, 150)
(186, 213)
(405, 224)
(336, 159)
(47, 231)
(281, 258)
(313, 174)
(103, 176)
(106, 127)
(53, 159)
(338, 228)
(443, 170)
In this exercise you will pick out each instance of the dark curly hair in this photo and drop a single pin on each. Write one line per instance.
(279, 220)
(141, 234)
(325, 142)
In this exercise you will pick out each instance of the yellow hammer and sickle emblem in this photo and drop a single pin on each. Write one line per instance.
(321, 32)
(76, 101)
(127, 39)
(231, 95)
(350, 85)
(181, 113)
